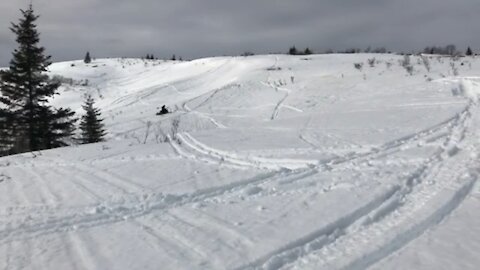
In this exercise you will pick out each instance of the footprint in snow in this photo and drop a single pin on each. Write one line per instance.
(253, 191)
(4, 178)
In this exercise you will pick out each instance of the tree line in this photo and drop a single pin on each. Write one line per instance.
(450, 50)
(27, 120)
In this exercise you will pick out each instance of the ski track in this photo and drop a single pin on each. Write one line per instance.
(163, 244)
(117, 212)
(214, 236)
(83, 251)
(212, 95)
(279, 257)
(20, 192)
(152, 90)
(400, 144)
(279, 104)
(11, 192)
(67, 242)
(220, 225)
(8, 255)
(211, 119)
(80, 183)
(219, 156)
(49, 196)
(187, 110)
(382, 216)
(378, 219)
(180, 240)
(213, 158)
(277, 108)
(111, 179)
(201, 152)
(24, 260)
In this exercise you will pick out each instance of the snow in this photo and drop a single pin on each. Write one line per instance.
(266, 162)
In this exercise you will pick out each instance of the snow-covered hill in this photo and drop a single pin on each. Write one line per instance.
(266, 162)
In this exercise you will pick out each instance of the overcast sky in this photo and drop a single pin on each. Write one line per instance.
(197, 28)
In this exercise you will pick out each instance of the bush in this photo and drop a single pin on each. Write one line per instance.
(426, 62)
(406, 63)
(62, 80)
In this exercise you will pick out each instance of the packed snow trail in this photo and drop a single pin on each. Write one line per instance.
(265, 162)
(134, 206)
(452, 173)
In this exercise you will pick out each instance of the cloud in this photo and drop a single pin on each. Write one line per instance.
(196, 28)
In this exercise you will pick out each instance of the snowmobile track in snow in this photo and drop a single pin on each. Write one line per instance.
(202, 152)
(328, 247)
(109, 213)
(119, 212)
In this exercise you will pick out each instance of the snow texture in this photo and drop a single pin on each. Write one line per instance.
(265, 162)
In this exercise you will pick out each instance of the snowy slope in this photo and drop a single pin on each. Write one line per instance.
(266, 162)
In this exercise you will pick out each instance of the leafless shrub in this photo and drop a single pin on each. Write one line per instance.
(62, 80)
(138, 138)
(406, 61)
(147, 131)
(371, 62)
(160, 135)
(358, 66)
(175, 127)
(454, 69)
(409, 70)
(407, 64)
(426, 62)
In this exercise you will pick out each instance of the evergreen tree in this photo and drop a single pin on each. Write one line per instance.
(307, 51)
(293, 51)
(469, 51)
(91, 125)
(6, 132)
(26, 117)
(174, 58)
(55, 128)
(87, 59)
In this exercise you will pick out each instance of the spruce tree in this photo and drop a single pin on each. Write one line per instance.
(91, 125)
(6, 132)
(55, 129)
(87, 59)
(469, 51)
(25, 90)
(293, 51)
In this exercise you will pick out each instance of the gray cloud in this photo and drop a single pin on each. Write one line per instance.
(197, 28)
